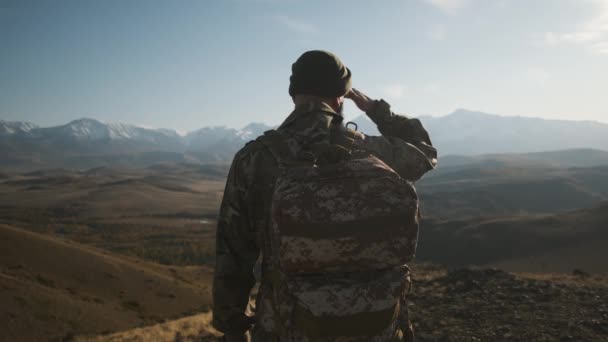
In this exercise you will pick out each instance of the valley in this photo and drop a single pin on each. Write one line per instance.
(111, 253)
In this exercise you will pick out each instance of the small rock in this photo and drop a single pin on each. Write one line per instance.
(580, 273)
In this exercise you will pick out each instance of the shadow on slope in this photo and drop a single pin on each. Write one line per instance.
(515, 240)
(53, 289)
(486, 190)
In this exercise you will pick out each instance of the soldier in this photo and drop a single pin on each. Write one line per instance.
(319, 85)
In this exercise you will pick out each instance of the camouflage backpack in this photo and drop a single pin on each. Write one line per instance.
(343, 226)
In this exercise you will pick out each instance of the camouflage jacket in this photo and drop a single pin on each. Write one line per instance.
(404, 145)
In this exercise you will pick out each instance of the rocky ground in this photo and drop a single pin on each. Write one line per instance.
(492, 305)
(467, 305)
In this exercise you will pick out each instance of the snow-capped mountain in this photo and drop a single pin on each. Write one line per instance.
(207, 137)
(92, 130)
(15, 127)
(88, 143)
(252, 131)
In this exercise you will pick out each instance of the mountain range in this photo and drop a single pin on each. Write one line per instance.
(466, 132)
(86, 143)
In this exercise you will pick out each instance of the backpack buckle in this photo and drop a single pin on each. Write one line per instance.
(352, 123)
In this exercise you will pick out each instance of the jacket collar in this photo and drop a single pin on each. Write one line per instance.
(310, 107)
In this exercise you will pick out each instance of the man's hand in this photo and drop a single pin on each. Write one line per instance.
(364, 102)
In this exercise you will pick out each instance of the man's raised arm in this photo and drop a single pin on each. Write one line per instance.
(404, 145)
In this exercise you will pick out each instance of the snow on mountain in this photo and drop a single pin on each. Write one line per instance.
(92, 130)
(168, 132)
(91, 143)
(95, 131)
(119, 131)
(89, 129)
(252, 131)
(15, 127)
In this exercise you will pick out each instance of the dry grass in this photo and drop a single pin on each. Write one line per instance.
(166, 215)
(53, 289)
(195, 328)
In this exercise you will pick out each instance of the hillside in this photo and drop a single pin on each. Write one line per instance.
(195, 328)
(582, 157)
(54, 288)
(500, 186)
(460, 306)
(530, 243)
(167, 213)
(164, 214)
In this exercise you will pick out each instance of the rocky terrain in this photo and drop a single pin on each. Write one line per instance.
(492, 305)
(463, 305)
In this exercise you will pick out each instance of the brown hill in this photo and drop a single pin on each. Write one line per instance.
(164, 214)
(543, 243)
(53, 289)
(485, 189)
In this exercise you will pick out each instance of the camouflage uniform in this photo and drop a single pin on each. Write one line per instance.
(244, 214)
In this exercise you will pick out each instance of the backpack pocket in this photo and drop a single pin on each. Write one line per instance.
(364, 244)
(347, 304)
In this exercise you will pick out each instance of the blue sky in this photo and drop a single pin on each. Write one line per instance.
(187, 64)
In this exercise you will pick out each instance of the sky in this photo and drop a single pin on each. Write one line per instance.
(187, 64)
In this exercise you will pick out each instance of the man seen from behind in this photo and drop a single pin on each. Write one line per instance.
(329, 214)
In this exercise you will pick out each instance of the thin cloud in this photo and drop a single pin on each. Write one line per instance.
(449, 6)
(600, 48)
(295, 25)
(552, 38)
(592, 34)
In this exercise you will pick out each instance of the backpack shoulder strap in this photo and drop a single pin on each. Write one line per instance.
(344, 137)
(276, 143)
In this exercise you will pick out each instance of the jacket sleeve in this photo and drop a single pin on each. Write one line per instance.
(404, 145)
(236, 254)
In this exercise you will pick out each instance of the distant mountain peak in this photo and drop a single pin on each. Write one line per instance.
(13, 127)
(467, 113)
(88, 141)
(85, 121)
(86, 128)
(252, 130)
